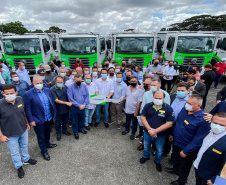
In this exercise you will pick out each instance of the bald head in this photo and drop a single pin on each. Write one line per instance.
(37, 80)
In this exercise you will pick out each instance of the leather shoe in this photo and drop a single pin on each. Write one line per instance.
(177, 183)
(87, 128)
(66, 133)
(51, 146)
(106, 125)
(76, 136)
(46, 156)
(96, 124)
(125, 132)
(171, 170)
(91, 124)
(140, 147)
(83, 131)
(58, 137)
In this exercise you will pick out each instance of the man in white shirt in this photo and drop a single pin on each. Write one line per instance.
(94, 74)
(104, 86)
(71, 79)
(23, 73)
(111, 74)
(168, 74)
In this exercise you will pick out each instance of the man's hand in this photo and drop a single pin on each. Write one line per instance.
(50, 83)
(209, 182)
(82, 107)
(33, 124)
(208, 117)
(69, 104)
(4, 139)
(152, 132)
(192, 88)
(170, 138)
(218, 101)
(154, 72)
(28, 127)
(135, 114)
(152, 76)
(182, 154)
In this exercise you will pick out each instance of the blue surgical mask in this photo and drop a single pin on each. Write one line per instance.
(88, 81)
(23, 67)
(181, 94)
(129, 61)
(118, 79)
(60, 85)
(104, 76)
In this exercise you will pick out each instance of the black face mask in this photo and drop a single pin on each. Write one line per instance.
(48, 72)
(106, 65)
(133, 84)
(146, 87)
(111, 74)
(123, 65)
(156, 64)
(78, 83)
(128, 78)
(78, 61)
(170, 65)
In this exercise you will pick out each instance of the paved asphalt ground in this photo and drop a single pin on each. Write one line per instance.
(103, 156)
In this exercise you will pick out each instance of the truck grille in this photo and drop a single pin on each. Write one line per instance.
(200, 60)
(72, 61)
(138, 60)
(30, 66)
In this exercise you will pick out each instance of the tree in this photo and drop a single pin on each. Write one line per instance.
(37, 31)
(13, 27)
(55, 29)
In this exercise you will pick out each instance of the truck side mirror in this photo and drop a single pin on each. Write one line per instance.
(108, 44)
(54, 45)
(159, 46)
(102, 45)
(47, 46)
(219, 43)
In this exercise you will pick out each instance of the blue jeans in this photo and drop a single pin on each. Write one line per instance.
(43, 135)
(88, 116)
(15, 144)
(217, 79)
(77, 116)
(159, 143)
(129, 118)
(70, 119)
(98, 109)
(63, 118)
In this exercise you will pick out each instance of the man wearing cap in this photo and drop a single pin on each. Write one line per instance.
(49, 76)
(41, 73)
(219, 69)
(22, 72)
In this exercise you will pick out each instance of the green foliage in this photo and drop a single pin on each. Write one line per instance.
(37, 31)
(201, 23)
(55, 29)
(13, 27)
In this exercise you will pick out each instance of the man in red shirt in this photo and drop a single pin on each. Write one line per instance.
(220, 69)
(78, 64)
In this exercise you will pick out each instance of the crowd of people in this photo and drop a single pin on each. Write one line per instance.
(168, 120)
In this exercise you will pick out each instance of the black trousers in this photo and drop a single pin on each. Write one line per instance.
(182, 165)
(204, 99)
(168, 82)
(199, 180)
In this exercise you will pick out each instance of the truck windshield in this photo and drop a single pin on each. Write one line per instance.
(195, 44)
(22, 46)
(78, 45)
(134, 45)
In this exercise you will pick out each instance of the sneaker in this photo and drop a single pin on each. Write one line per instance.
(158, 167)
(143, 160)
(31, 161)
(138, 137)
(132, 137)
(119, 127)
(21, 172)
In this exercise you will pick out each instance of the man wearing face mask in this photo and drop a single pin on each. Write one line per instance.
(128, 77)
(62, 73)
(49, 76)
(212, 155)
(94, 74)
(128, 68)
(22, 72)
(106, 65)
(71, 80)
(86, 70)
(156, 117)
(62, 64)
(119, 93)
(59, 93)
(123, 65)
(111, 74)
(196, 87)
(140, 74)
(80, 71)
(99, 68)
(155, 69)
(104, 86)
(117, 68)
(188, 133)
(90, 108)
(220, 70)
(40, 109)
(41, 73)
(79, 95)
(14, 128)
(21, 85)
(78, 64)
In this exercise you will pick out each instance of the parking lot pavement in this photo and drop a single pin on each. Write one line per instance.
(103, 156)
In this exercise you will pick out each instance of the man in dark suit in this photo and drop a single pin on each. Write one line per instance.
(196, 87)
(40, 109)
(221, 95)
(212, 156)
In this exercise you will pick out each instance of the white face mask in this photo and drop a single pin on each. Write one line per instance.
(154, 88)
(62, 74)
(217, 129)
(15, 79)
(117, 70)
(86, 72)
(72, 77)
(39, 86)
(94, 73)
(188, 107)
(10, 97)
(99, 69)
(63, 66)
(43, 77)
(157, 102)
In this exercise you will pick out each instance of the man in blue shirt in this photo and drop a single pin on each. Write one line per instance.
(21, 85)
(78, 94)
(23, 73)
(156, 117)
(4, 66)
(40, 109)
(119, 93)
(140, 74)
(128, 68)
(5, 75)
(189, 131)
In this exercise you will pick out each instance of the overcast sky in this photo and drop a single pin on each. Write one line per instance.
(105, 16)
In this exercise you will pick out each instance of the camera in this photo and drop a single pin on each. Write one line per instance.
(181, 68)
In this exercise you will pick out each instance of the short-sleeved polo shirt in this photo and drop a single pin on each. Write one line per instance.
(158, 117)
(12, 119)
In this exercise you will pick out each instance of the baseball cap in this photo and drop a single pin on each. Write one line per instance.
(47, 68)
(40, 71)
(223, 59)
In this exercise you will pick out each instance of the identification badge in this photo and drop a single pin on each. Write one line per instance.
(186, 122)
(118, 87)
(216, 151)
(19, 105)
(134, 93)
(162, 111)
